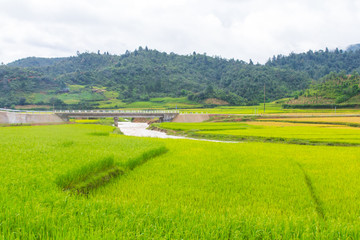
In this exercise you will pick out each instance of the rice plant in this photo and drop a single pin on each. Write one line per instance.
(172, 188)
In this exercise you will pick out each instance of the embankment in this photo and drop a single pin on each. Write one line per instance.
(17, 118)
(191, 118)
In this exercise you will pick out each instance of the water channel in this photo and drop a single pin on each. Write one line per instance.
(140, 130)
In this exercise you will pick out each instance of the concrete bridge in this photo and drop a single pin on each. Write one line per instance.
(164, 116)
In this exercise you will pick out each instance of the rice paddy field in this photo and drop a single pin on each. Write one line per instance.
(332, 120)
(82, 181)
(271, 131)
(270, 108)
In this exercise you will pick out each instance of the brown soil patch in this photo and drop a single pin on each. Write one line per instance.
(215, 101)
(191, 118)
(145, 120)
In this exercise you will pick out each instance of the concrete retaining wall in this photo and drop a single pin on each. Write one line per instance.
(191, 118)
(11, 117)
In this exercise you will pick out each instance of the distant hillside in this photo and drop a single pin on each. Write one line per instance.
(319, 63)
(353, 47)
(35, 62)
(91, 80)
(334, 88)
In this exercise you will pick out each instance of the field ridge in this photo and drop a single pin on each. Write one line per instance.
(94, 175)
(318, 203)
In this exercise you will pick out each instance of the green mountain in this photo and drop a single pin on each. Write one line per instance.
(353, 47)
(149, 78)
(35, 62)
(334, 89)
(91, 80)
(319, 63)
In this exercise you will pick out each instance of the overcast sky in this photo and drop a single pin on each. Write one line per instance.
(239, 29)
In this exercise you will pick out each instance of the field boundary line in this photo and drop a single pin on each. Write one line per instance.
(319, 205)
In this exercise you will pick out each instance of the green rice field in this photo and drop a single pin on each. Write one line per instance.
(311, 133)
(270, 108)
(82, 181)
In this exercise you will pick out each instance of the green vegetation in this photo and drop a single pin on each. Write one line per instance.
(339, 90)
(71, 179)
(134, 79)
(346, 121)
(270, 108)
(255, 109)
(98, 173)
(189, 190)
(328, 135)
(111, 81)
(88, 181)
(102, 121)
(317, 64)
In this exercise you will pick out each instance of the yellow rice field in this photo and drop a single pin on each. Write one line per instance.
(285, 124)
(319, 119)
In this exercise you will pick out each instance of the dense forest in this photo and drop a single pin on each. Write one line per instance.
(144, 74)
(320, 63)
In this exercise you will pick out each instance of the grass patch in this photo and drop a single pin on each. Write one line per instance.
(107, 121)
(134, 162)
(14, 124)
(101, 121)
(67, 143)
(72, 179)
(117, 131)
(103, 134)
(99, 173)
(85, 121)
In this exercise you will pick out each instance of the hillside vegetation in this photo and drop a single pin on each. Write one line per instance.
(317, 64)
(96, 80)
(91, 80)
(334, 88)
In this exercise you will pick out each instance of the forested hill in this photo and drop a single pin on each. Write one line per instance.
(339, 89)
(141, 75)
(317, 64)
(92, 79)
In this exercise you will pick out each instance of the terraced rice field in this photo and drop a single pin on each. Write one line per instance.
(142, 188)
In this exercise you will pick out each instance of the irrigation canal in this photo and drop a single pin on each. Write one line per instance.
(140, 130)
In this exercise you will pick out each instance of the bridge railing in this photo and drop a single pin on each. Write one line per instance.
(117, 111)
(25, 111)
(101, 111)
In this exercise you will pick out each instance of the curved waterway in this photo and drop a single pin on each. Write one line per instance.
(140, 130)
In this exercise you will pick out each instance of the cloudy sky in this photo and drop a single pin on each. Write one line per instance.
(239, 29)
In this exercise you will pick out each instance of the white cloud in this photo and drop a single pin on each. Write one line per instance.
(240, 29)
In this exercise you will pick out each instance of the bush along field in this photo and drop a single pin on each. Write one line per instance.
(80, 181)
